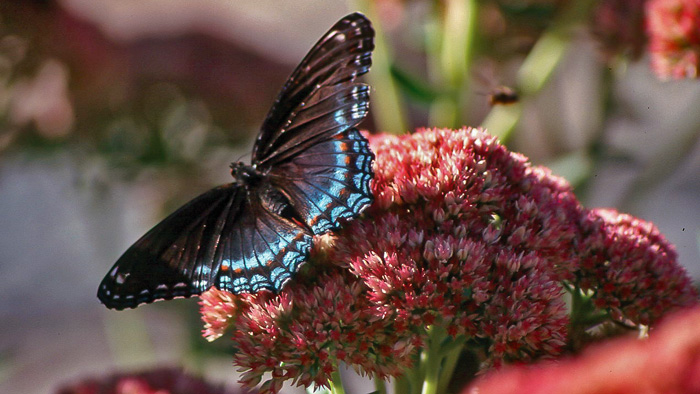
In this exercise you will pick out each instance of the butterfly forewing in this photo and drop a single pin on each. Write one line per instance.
(337, 59)
(330, 111)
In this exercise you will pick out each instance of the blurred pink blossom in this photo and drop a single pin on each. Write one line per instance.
(668, 362)
(674, 37)
(156, 381)
(44, 101)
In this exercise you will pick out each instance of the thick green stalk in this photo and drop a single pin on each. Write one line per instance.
(336, 382)
(402, 384)
(432, 362)
(380, 386)
(386, 104)
(451, 356)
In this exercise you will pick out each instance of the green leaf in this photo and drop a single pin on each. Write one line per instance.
(414, 87)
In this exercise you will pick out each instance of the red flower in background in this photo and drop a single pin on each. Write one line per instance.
(666, 363)
(674, 37)
(619, 27)
(157, 381)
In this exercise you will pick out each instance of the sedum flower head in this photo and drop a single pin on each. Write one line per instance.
(674, 37)
(469, 235)
(631, 268)
(301, 335)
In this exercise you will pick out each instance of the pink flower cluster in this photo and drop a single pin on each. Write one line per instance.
(632, 268)
(674, 37)
(466, 232)
(666, 363)
(463, 234)
(303, 333)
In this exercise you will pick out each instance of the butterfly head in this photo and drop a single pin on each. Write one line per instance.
(245, 174)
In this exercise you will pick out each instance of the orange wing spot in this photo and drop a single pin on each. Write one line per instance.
(238, 271)
(347, 160)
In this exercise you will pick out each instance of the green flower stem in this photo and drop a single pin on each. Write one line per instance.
(583, 316)
(455, 23)
(380, 386)
(336, 382)
(432, 360)
(387, 107)
(415, 377)
(451, 356)
(539, 65)
(402, 384)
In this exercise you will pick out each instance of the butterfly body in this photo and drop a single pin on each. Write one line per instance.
(310, 170)
(245, 175)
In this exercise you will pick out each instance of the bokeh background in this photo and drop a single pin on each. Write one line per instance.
(113, 113)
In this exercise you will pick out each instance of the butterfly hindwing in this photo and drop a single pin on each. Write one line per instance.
(265, 248)
(328, 181)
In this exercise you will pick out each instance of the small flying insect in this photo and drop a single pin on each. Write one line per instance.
(503, 95)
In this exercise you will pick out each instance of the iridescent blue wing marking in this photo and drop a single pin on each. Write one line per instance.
(264, 248)
(328, 181)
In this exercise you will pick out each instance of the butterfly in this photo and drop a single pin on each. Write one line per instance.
(310, 171)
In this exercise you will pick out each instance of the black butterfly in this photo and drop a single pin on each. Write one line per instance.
(310, 169)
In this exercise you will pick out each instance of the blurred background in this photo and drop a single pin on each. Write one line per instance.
(114, 113)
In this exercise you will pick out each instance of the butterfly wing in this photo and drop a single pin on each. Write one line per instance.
(308, 145)
(322, 95)
(328, 181)
(229, 237)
